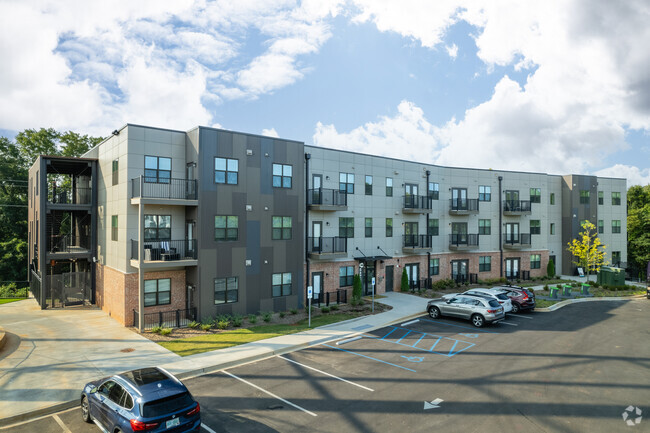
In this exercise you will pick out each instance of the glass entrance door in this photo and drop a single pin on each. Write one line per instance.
(512, 233)
(459, 270)
(317, 233)
(459, 198)
(512, 268)
(512, 200)
(412, 272)
(317, 285)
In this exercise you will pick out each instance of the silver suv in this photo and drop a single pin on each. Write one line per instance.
(479, 310)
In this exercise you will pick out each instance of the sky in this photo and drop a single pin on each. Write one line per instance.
(561, 87)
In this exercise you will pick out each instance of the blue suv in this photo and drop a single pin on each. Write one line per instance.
(147, 399)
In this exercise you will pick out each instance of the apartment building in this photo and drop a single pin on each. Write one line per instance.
(191, 224)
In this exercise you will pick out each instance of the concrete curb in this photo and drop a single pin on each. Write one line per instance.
(579, 300)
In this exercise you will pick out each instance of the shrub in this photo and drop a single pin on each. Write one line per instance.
(237, 320)
(223, 324)
(267, 316)
(206, 326)
(12, 291)
(282, 314)
(252, 318)
(334, 307)
(404, 286)
(356, 287)
(550, 269)
(293, 311)
(193, 324)
(165, 331)
(324, 309)
(546, 287)
(156, 329)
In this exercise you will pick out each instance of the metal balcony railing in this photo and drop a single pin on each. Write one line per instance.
(180, 189)
(416, 241)
(463, 204)
(516, 239)
(323, 245)
(417, 202)
(463, 239)
(68, 243)
(327, 197)
(66, 194)
(522, 206)
(165, 250)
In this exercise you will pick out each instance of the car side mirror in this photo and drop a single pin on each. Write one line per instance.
(93, 390)
(449, 301)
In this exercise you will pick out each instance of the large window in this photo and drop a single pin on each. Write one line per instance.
(282, 175)
(116, 171)
(368, 185)
(368, 225)
(485, 263)
(226, 171)
(389, 187)
(389, 227)
(601, 197)
(434, 267)
(157, 169)
(601, 226)
(616, 198)
(535, 261)
(535, 195)
(114, 227)
(157, 292)
(434, 227)
(281, 228)
(434, 190)
(226, 228)
(346, 227)
(157, 227)
(346, 183)
(584, 196)
(484, 193)
(535, 227)
(226, 290)
(484, 227)
(346, 276)
(281, 284)
(616, 226)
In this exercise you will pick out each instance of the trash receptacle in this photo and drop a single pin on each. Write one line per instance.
(554, 291)
(585, 290)
(566, 291)
(611, 276)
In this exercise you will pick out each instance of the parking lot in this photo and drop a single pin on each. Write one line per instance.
(575, 369)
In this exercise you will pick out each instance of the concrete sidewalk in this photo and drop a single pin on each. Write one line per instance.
(50, 355)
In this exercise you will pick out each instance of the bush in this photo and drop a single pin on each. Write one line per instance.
(267, 316)
(165, 331)
(546, 287)
(550, 269)
(237, 320)
(324, 309)
(293, 311)
(206, 326)
(282, 314)
(356, 287)
(404, 286)
(223, 324)
(252, 318)
(156, 329)
(12, 291)
(193, 324)
(334, 307)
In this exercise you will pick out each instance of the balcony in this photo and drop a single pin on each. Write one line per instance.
(516, 241)
(417, 204)
(326, 248)
(415, 243)
(463, 206)
(463, 241)
(66, 195)
(164, 191)
(68, 246)
(327, 199)
(164, 254)
(516, 207)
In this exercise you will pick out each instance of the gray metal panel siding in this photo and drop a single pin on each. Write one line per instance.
(253, 247)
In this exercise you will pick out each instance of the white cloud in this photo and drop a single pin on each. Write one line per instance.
(634, 175)
(270, 132)
(452, 50)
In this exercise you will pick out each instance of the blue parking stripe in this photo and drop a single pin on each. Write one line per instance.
(398, 341)
(392, 330)
(434, 344)
(416, 343)
(370, 357)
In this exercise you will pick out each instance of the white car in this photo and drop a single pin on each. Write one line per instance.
(498, 294)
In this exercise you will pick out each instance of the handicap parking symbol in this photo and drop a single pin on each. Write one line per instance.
(469, 335)
(414, 358)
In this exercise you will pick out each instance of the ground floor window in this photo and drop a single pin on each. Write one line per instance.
(535, 261)
(484, 263)
(434, 266)
(346, 276)
(226, 290)
(282, 284)
(157, 292)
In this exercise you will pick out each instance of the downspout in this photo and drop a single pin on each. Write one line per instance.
(429, 235)
(500, 229)
(307, 278)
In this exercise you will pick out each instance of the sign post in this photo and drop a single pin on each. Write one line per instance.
(309, 296)
(373, 294)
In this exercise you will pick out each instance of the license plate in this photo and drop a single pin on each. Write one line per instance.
(173, 423)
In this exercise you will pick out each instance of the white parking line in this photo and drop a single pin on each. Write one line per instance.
(60, 423)
(410, 323)
(349, 340)
(268, 392)
(325, 373)
(208, 428)
(508, 323)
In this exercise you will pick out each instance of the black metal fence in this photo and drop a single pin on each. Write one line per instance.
(66, 194)
(516, 206)
(465, 278)
(417, 202)
(327, 245)
(327, 197)
(166, 319)
(328, 297)
(517, 239)
(68, 243)
(145, 187)
(166, 250)
(463, 239)
(464, 204)
(416, 241)
(35, 286)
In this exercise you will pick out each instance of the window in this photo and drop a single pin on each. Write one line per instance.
(368, 227)
(281, 228)
(616, 198)
(346, 276)
(484, 193)
(484, 263)
(616, 226)
(116, 171)
(434, 267)
(226, 171)
(368, 185)
(535, 227)
(535, 195)
(226, 228)
(157, 292)
(281, 284)
(584, 196)
(157, 169)
(389, 227)
(552, 198)
(434, 227)
(346, 183)
(601, 226)
(346, 227)
(535, 261)
(616, 258)
(157, 227)
(282, 175)
(484, 227)
(434, 191)
(601, 197)
(114, 227)
(226, 290)
(552, 229)
(389, 187)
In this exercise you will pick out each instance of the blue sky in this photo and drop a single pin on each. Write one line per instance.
(559, 87)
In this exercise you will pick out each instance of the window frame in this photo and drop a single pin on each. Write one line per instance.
(601, 197)
(616, 228)
(153, 175)
(433, 190)
(535, 264)
(347, 186)
(283, 286)
(157, 292)
(281, 232)
(285, 180)
(551, 229)
(227, 172)
(601, 226)
(346, 230)
(485, 229)
(434, 266)
(227, 281)
(485, 263)
(389, 228)
(114, 227)
(368, 227)
(486, 194)
(537, 229)
(157, 229)
(585, 196)
(433, 229)
(368, 184)
(616, 198)
(535, 195)
(346, 276)
(389, 188)
(227, 229)
(116, 171)
(552, 199)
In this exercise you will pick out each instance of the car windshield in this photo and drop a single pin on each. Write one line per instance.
(166, 405)
(501, 296)
(493, 303)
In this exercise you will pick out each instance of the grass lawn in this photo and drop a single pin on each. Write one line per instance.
(8, 300)
(221, 340)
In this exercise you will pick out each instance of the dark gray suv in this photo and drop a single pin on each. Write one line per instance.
(478, 310)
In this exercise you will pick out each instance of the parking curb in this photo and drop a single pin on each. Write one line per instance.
(580, 300)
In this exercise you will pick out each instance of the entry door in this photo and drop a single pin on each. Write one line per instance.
(411, 189)
(459, 270)
(368, 275)
(317, 284)
(459, 198)
(410, 234)
(189, 239)
(389, 278)
(512, 268)
(317, 184)
(512, 200)
(317, 233)
(512, 233)
(459, 233)
(412, 272)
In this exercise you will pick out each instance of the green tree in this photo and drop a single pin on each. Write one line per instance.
(550, 269)
(356, 288)
(405, 281)
(588, 249)
(638, 227)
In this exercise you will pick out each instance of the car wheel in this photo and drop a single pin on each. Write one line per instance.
(85, 410)
(477, 320)
(515, 308)
(434, 312)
